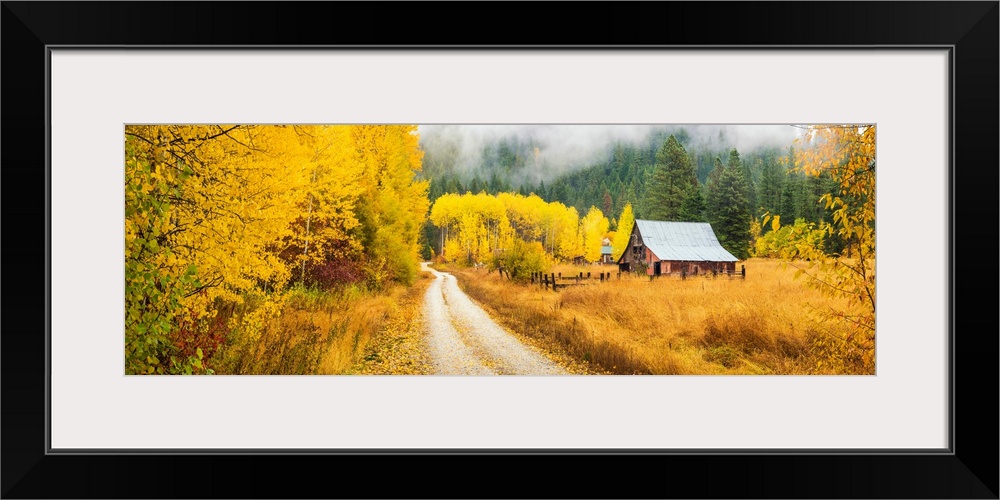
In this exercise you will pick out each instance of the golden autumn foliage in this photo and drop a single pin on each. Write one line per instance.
(847, 154)
(621, 240)
(394, 203)
(220, 218)
(593, 228)
(475, 228)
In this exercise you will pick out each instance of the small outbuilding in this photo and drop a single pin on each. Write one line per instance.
(606, 257)
(666, 247)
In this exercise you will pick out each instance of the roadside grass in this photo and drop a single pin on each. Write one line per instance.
(319, 332)
(398, 347)
(700, 325)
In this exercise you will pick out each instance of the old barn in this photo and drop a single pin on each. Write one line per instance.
(663, 247)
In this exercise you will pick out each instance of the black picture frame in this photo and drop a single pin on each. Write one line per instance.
(969, 470)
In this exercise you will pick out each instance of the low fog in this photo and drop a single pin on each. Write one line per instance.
(564, 148)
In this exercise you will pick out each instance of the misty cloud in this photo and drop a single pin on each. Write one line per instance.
(566, 148)
(745, 137)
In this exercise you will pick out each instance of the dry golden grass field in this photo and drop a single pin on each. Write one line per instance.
(325, 333)
(700, 325)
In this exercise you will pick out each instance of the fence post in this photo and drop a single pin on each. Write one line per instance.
(743, 271)
(684, 273)
(588, 275)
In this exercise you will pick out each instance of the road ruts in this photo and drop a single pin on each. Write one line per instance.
(464, 340)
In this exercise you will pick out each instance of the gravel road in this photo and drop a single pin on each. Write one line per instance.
(464, 340)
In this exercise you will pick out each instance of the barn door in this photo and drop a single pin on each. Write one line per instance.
(656, 268)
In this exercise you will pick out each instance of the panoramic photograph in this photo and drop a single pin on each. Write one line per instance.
(535, 249)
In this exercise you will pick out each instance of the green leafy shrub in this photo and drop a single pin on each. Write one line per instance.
(519, 259)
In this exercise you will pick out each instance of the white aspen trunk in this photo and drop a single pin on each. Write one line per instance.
(305, 247)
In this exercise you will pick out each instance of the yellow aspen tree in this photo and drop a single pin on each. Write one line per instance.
(593, 227)
(568, 242)
(623, 235)
(847, 153)
(394, 203)
(323, 232)
(446, 214)
(524, 214)
(219, 201)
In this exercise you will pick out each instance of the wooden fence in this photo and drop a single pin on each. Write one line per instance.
(683, 274)
(557, 281)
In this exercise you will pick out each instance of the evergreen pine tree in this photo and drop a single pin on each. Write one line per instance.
(693, 208)
(713, 201)
(735, 162)
(606, 201)
(789, 210)
(728, 209)
(559, 192)
(476, 185)
(671, 182)
(454, 185)
(771, 189)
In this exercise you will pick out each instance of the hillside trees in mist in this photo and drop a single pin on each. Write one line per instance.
(772, 183)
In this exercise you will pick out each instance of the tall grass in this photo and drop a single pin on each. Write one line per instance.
(316, 332)
(700, 325)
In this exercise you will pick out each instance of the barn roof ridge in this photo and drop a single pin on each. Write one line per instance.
(673, 221)
(682, 241)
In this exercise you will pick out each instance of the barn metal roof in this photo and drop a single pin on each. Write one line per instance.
(690, 241)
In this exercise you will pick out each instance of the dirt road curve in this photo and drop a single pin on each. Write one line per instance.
(464, 340)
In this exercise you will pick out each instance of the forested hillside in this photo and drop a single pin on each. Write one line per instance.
(668, 173)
